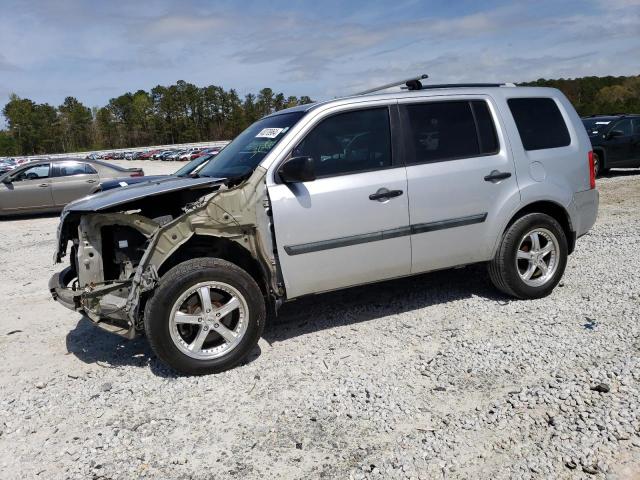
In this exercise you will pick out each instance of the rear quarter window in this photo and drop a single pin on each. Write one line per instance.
(540, 123)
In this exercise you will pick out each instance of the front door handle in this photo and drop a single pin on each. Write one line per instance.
(384, 194)
(43, 185)
(91, 181)
(496, 176)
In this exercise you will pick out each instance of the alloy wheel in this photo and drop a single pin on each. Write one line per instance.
(537, 257)
(208, 320)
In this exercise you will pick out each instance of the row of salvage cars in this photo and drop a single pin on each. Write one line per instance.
(46, 186)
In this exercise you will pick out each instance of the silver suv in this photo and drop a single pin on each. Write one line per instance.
(327, 196)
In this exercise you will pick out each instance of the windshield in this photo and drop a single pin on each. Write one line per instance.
(192, 165)
(249, 148)
(596, 125)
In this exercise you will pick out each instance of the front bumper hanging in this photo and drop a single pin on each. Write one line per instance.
(62, 293)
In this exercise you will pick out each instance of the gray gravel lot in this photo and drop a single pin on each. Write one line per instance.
(428, 377)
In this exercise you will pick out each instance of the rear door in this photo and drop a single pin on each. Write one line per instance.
(460, 174)
(29, 189)
(72, 180)
(342, 229)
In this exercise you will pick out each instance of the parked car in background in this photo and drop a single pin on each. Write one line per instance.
(175, 156)
(189, 154)
(147, 154)
(331, 195)
(191, 169)
(161, 154)
(7, 164)
(47, 186)
(615, 140)
(206, 151)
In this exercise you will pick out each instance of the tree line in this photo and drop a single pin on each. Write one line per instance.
(598, 95)
(179, 113)
(184, 113)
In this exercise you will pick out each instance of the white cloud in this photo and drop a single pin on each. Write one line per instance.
(180, 25)
(76, 45)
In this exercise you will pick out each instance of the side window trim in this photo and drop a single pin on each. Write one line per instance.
(475, 122)
(474, 103)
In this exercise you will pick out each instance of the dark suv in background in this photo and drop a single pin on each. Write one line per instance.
(615, 140)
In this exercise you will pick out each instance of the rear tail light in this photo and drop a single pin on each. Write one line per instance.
(138, 173)
(592, 172)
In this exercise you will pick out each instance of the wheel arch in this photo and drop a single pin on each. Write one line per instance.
(602, 153)
(554, 210)
(218, 247)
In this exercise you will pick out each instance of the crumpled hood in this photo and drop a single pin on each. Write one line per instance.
(112, 198)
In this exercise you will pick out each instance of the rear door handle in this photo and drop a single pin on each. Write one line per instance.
(385, 194)
(43, 185)
(496, 176)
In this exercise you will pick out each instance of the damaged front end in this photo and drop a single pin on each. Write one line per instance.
(120, 240)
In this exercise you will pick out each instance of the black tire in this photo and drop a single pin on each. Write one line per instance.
(180, 279)
(599, 164)
(503, 268)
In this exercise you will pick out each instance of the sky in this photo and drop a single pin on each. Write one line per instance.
(95, 50)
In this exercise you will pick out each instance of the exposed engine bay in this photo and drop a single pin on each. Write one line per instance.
(120, 240)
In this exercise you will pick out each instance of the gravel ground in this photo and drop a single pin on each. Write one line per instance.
(429, 377)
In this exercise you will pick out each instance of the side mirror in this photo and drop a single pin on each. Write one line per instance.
(615, 133)
(7, 180)
(297, 169)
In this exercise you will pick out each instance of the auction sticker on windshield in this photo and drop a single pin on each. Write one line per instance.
(269, 132)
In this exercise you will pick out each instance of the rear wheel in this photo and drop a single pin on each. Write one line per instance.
(598, 164)
(205, 316)
(531, 258)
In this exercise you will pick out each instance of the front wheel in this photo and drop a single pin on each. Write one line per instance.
(531, 258)
(205, 316)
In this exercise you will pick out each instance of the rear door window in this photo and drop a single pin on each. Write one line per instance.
(67, 169)
(539, 123)
(439, 131)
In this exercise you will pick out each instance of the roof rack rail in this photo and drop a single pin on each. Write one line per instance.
(413, 83)
(466, 85)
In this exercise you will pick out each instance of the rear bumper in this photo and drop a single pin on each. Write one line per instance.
(61, 293)
(584, 210)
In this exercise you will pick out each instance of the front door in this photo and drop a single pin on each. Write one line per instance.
(458, 175)
(342, 229)
(619, 146)
(29, 190)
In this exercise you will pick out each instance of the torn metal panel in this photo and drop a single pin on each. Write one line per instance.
(112, 293)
